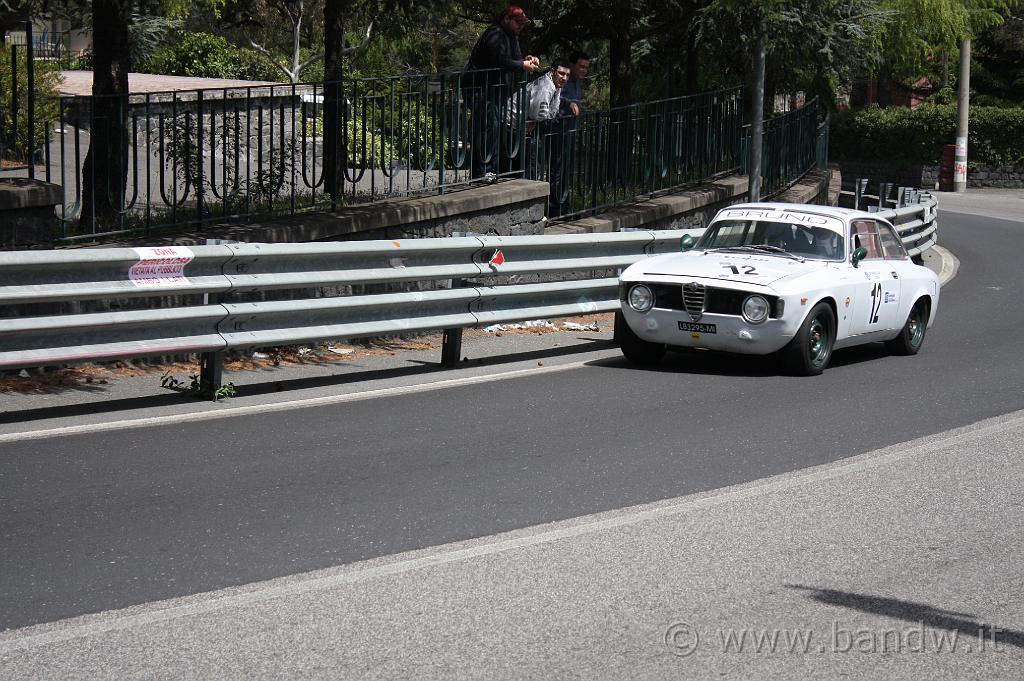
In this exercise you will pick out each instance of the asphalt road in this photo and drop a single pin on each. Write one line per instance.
(96, 521)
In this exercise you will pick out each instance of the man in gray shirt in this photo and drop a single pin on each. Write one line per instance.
(544, 127)
(545, 92)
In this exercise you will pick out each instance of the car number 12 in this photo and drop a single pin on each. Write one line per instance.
(876, 303)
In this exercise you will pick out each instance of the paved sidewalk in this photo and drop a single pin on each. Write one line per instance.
(901, 563)
(80, 83)
(1003, 204)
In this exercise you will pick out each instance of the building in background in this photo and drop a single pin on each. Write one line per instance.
(53, 39)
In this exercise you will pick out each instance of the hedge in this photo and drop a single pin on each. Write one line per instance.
(204, 55)
(904, 136)
(47, 104)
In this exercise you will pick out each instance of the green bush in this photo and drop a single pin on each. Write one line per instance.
(253, 65)
(47, 104)
(200, 55)
(902, 136)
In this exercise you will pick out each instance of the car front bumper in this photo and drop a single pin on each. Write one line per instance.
(731, 333)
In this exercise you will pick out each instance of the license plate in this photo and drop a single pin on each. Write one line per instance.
(697, 328)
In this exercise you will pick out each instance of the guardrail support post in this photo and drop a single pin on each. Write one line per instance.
(883, 194)
(860, 185)
(211, 373)
(211, 364)
(451, 341)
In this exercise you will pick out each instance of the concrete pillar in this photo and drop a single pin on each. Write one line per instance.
(963, 115)
(27, 217)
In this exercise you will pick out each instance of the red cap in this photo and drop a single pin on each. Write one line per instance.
(516, 12)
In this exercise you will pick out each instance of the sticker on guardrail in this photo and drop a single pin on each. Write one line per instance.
(497, 259)
(161, 266)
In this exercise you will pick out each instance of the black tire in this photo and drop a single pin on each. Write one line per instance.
(811, 348)
(912, 334)
(636, 349)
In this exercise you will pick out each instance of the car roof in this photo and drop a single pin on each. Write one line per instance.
(831, 211)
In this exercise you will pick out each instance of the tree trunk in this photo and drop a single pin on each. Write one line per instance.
(105, 172)
(620, 59)
(884, 96)
(334, 45)
(692, 84)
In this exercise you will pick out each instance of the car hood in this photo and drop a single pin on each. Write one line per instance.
(739, 268)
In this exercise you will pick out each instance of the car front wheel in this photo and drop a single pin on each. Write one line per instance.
(912, 334)
(811, 348)
(636, 349)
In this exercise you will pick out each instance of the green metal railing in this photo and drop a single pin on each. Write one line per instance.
(232, 154)
(216, 155)
(603, 158)
(793, 143)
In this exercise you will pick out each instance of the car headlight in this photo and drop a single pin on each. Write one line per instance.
(640, 298)
(755, 309)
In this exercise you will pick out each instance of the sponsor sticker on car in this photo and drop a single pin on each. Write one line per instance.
(698, 328)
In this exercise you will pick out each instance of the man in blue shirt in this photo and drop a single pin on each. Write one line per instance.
(572, 92)
(569, 108)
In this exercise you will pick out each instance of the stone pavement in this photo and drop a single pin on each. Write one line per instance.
(1003, 204)
(80, 83)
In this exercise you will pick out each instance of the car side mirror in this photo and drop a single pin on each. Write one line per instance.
(686, 243)
(858, 255)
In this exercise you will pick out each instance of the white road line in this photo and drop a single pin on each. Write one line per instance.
(331, 578)
(172, 419)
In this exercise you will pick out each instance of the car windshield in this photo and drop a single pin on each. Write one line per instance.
(782, 238)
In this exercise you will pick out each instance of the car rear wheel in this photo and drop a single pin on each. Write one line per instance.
(912, 334)
(636, 349)
(811, 348)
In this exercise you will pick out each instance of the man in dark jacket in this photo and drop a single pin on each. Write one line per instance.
(494, 68)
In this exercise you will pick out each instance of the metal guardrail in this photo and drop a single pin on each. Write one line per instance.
(223, 272)
(912, 211)
(482, 284)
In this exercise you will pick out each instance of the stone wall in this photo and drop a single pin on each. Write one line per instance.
(512, 208)
(927, 177)
(906, 176)
(27, 218)
(691, 208)
(980, 176)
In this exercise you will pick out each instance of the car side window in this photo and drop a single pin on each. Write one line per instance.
(865, 235)
(891, 244)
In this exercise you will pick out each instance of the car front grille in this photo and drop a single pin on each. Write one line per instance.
(693, 300)
(703, 299)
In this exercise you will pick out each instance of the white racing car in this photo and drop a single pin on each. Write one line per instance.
(769, 277)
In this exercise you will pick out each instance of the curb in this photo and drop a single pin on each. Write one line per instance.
(943, 263)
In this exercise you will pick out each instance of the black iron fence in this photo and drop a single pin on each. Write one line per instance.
(45, 45)
(792, 144)
(602, 158)
(232, 153)
(19, 136)
(218, 155)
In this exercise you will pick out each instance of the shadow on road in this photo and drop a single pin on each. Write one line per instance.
(936, 618)
(417, 367)
(708, 362)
